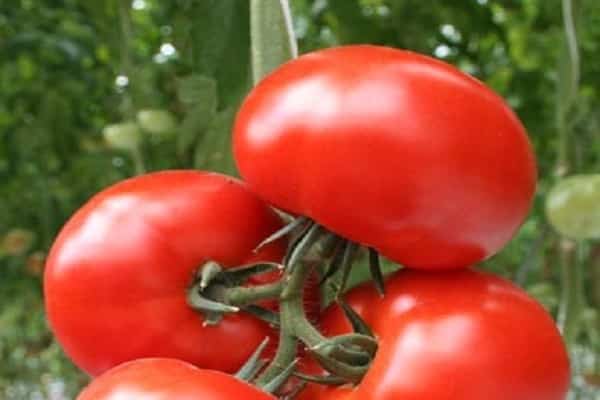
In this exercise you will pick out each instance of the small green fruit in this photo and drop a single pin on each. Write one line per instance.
(573, 206)
(160, 123)
(123, 136)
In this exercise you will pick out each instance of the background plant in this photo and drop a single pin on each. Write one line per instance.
(70, 68)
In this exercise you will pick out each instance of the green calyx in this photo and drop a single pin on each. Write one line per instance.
(345, 357)
(219, 291)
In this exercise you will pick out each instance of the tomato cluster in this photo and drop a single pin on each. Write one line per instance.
(169, 272)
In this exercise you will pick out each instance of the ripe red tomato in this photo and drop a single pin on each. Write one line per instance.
(116, 277)
(391, 149)
(163, 378)
(461, 335)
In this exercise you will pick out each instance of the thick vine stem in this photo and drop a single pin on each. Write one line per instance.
(572, 301)
(219, 291)
(291, 310)
(346, 356)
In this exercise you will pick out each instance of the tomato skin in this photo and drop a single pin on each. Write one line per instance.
(390, 149)
(462, 335)
(168, 379)
(116, 278)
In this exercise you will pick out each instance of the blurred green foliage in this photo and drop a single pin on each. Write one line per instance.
(69, 68)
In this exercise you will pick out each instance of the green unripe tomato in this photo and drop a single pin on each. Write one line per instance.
(123, 136)
(573, 206)
(160, 123)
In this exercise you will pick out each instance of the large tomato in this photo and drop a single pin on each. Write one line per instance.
(116, 277)
(390, 149)
(168, 379)
(461, 335)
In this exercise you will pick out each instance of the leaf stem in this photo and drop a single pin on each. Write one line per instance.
(245, 295)
(272, 36)
(572, 302)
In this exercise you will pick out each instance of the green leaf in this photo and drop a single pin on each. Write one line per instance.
(192, 127)
(272, 36)
(197, 89)
(212, 20)
(233, 73)
(199, 94)
(213, 151)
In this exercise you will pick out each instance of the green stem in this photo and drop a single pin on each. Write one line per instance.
(595, 278)
(234, 296)
(245, 295)
(571, 257)
(126, 59)
(569, 71)
(572, 302)
(272, 36)
(292, 315)
(572, 46)
(138, 161)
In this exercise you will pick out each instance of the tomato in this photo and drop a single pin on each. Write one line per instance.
(163, 378)
(123, 136)
(461, 335)
(390, 149)
(116, 277)
(573, 206)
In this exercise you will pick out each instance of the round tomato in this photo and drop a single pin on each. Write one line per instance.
(390, 149)
(573, 206)
(163, 378)
(461, 335)
(116, 277)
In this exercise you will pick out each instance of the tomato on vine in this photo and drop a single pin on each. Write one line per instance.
(158, 379)
(460, 335)
(118, 277)
(390, 149)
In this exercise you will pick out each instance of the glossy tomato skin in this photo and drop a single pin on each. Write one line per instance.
(116, 278)
(168, 379)
(461, 335)
(390, 149)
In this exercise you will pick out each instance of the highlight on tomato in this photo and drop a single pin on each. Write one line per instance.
(390, 149)
(117, 277)
(453, 335)
(163, 378)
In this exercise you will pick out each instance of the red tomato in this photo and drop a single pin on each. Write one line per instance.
(461, 335)
(116, 277)
(390, 149)
(168, 379)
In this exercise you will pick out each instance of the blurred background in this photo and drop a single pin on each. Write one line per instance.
(92, 92)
